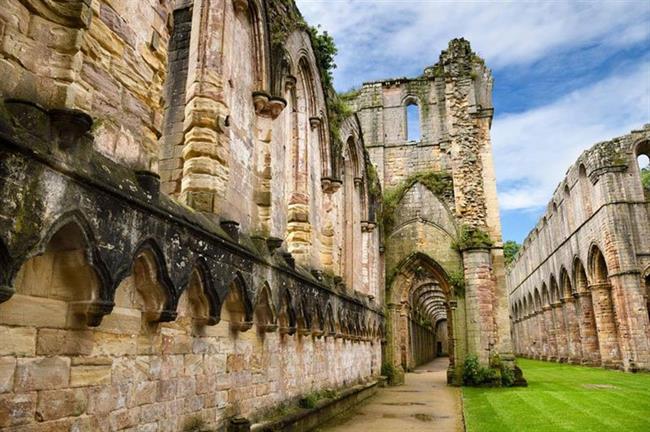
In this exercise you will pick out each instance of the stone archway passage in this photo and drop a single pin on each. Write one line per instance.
(420, 301)
(424, 403)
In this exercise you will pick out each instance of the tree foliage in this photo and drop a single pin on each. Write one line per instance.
(325, 50)
(510, 250)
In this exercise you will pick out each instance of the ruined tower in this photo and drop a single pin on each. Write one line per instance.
(442, 235)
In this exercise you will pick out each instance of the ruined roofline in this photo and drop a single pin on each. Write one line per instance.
(598, 152)
(457, 50)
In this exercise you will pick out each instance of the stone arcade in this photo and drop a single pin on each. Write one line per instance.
(580, 285)
(188, 230)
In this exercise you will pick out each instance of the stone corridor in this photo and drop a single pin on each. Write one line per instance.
(424, 403)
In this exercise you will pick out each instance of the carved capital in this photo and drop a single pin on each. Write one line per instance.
(267, 105)
(290, 82)
(315, 122)
(330, 185)
(240, 326)
(368, 226)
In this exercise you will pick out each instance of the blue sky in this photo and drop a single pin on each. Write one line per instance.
(567, 75)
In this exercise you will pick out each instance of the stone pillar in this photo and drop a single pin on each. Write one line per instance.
(549, 326)
(560, 332)
(393, 336)
(588, 333)
(574, 343)
(530, 332)
(601, 296)
(479, 288)
(629, 299)
(205, 153)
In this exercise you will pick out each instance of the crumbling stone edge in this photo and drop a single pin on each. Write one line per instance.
(326, 409)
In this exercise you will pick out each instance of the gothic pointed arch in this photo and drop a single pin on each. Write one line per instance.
(199, 300)
(286, 314)
(237, 308)
(156, 293)
(264, 315)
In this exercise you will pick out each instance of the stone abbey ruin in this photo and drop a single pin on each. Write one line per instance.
(580, 286)
(195, 228)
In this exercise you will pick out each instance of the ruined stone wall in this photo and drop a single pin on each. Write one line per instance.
(437, 190)
(578, 287)
(176, 239)
(102, 57)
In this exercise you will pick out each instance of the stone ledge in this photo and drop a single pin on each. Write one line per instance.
(308, 419)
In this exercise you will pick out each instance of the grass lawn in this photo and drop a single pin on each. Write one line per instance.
(561, 397)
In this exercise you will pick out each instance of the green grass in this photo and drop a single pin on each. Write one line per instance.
(561, 397)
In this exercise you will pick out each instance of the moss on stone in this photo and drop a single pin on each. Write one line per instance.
(470, 237)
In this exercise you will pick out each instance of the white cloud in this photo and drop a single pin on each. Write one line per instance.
(533, 149)
(387, 38)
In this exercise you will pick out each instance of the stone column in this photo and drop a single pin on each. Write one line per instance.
(549, 326)
(606, 324)
(205, 153)
(588, 333)
(560, 332)
(479, 288)
(542, 337)
(572, 331)
(630, 305)
(530, 337)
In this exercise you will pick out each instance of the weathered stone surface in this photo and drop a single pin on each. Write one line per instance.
(56, 404)
(579, 286)
(7, 369)
(43, 373)
(17, 341)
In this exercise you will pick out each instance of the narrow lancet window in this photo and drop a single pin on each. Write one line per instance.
(413, 122)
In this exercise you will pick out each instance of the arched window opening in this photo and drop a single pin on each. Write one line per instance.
(585, 191)
(647, 294)
(643, 161)
(413, 132)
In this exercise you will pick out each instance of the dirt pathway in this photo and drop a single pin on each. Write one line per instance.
(424, 403)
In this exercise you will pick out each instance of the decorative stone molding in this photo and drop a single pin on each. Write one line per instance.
(241, 326)
(240, 6)
(330, 185)
(315, 122)
(368, 226)
(267, 105)
(290, 82)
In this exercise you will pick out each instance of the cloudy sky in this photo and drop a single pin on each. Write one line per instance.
(567, 75)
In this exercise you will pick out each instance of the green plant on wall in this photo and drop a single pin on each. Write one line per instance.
(645, 181)
(510, 250)
(470, 237)
(457, 281)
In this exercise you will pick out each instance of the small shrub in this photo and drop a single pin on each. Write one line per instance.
(471, 371)
(309, 401)
(390, 372)
(507, 376)
(476, 375)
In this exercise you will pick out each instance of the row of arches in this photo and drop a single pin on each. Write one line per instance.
(577, 198)
(68, 274)
(572, 318)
